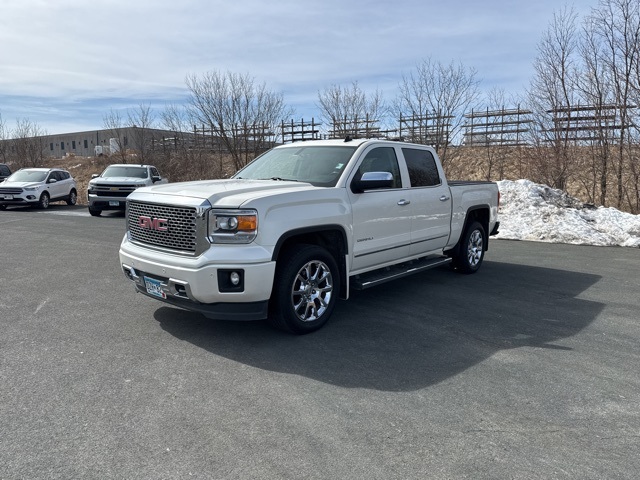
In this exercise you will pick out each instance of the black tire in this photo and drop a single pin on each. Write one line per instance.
(302, 302)
(72, 199)
(470, 252)
(3, 207)
(94, 212)
(43, 203)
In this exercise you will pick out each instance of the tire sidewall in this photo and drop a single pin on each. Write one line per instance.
(463, 258)
(288, 267)
(44, 200)
(73, 198)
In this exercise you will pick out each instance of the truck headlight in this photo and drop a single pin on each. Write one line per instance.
(232, 226)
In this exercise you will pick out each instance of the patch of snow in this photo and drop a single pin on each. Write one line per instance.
(530, 211)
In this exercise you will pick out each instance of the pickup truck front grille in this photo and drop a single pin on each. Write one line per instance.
(174, 228)
(110, 190)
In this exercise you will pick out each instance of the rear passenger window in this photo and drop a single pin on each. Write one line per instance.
(423, 171)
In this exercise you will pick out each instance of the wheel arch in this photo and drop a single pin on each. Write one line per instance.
(476, 213)
(480, 214)
(333, 238)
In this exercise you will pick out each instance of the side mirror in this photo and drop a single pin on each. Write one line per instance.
(95, 175)
(156, 179)
(372, 181)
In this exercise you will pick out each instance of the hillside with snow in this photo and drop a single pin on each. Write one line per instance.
(530, 211)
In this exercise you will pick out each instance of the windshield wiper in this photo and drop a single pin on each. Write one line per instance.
(279, 179)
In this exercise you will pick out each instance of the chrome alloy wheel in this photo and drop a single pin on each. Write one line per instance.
(474, 248)
(312, 290)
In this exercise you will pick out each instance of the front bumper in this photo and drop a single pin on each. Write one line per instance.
(101, 202)
(198, 284)
(24, 198)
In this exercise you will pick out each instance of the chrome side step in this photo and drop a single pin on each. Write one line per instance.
(376, 277)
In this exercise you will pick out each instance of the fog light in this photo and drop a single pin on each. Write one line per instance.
(230, 281)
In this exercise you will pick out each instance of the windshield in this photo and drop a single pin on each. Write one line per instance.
(28, 176)
(125, 171)
(319, 165)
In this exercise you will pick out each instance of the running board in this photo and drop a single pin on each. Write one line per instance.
(376, 277)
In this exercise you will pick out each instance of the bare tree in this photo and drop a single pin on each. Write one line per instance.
(439, 94)
(141, 119)
(595, 86)
(186, 155)
(3, 140)
(617, 25)
(552, 97)
(245, 116)
(351, 111)
(118, 141)
(28, 143)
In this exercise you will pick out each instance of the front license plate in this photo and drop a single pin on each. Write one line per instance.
(114, 204)
(8, 197)
(154, 287)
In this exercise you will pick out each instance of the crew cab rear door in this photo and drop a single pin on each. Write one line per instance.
(381, 217)
(431, 201)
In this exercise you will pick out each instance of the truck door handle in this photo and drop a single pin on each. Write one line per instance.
(404, 202)
(444, 198)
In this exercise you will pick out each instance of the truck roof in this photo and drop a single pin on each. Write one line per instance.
(356, 142)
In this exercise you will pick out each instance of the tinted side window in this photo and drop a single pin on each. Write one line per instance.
(4, 170)
(154, 172)
(64, 175)
(423, 171)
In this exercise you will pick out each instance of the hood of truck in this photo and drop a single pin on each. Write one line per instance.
(231, 193)
(117, 180)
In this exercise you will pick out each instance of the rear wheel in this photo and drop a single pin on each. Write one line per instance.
(470, 252)
(305, 290)
(73, 198)
(44, 200)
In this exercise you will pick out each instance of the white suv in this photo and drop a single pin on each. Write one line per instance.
(38, 186)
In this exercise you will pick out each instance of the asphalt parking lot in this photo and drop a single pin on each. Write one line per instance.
(528, 369)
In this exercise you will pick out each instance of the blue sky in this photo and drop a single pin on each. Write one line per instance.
(65, 64)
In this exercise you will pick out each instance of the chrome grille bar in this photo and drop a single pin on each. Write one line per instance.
(176, 228)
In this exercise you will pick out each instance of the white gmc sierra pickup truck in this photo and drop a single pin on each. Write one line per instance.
(294, 230)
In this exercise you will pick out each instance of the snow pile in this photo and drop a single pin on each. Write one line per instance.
(530, 211)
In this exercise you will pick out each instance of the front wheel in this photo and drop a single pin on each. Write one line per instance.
(44, 200)
(306, 289)
(470, 252)
(94, 212)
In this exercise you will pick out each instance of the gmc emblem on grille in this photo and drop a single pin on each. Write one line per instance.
(158, 224)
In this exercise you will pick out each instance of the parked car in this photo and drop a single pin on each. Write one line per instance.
(38, 187)
(5, 171)
(109, 190)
